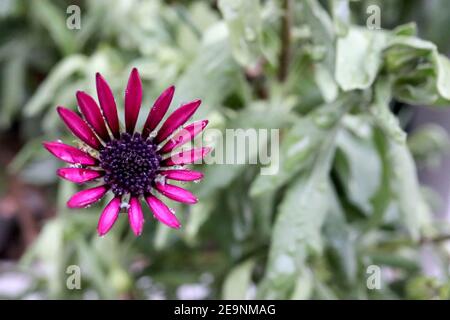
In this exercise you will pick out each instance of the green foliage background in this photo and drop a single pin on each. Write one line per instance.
(347, 194)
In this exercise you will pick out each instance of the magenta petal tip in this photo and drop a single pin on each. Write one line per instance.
(177, 119)
(182, 175)
(176, 193)
(158, 110)
(78, 175)
(68, 153)
(135, 216)
(162, 212)
(92, 114)
(184, 135)
(133, 100)
(78, 127)
(86, 197)
(187, 157)
(107, 104)
(108, 216)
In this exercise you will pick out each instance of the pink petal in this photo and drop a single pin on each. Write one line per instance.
(177, 119)
(158, 111)
(135, 216)
(176, 193)
(186, 157)
(92, 114)
(133, 99)
(108, 216)
(184, 135)
(69, 154)
(86, 197)
(78, 127)
(182, 175)
(108, 104)
(162, 212)
(78, 175)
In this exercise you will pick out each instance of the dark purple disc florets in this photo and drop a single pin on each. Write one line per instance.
(131, 164)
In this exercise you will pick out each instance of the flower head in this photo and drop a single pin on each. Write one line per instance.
(133, 165)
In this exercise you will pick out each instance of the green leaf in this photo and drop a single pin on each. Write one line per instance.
(321, 28)
(443, 80)
(359, 167)
(238, 281)
(212, 75)
(297, 228)
(304, 285)
(92, 269)
(379, 109)
(299, 147)
(58, 76)
(12, 91)
(325, 81)
(48, 249)
(296, 231)
(296, 153)
(414, 211)
(358, 58)
(30, 150)
(340, 238)
(408, 29)
(243, 18)
(341, 13)
(198, 215)
(403, 182)
(258, 115)
(54, 20)
(421, 74)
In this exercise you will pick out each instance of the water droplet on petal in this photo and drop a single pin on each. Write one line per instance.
(124, 205)
(160, 179)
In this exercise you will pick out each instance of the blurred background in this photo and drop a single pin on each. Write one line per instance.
(342, 96)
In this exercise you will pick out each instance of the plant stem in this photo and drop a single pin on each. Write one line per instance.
(285, 53)
(437, 239)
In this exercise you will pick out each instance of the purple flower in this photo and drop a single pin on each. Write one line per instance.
(132, 165)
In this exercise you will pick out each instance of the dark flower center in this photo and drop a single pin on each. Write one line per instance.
(130, 163)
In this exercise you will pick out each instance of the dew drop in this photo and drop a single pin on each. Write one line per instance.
(124, 205)
(153, 134)
(160, 179)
